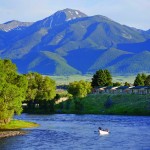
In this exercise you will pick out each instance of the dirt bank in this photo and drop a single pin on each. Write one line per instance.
(8, 133)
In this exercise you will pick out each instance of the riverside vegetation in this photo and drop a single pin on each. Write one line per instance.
(128, 104)
(39, 94)
(121, 104)
(16, 88)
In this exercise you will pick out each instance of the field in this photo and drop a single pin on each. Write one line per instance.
(61, 80)
(123, 79)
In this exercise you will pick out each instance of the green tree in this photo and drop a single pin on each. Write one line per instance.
(126, 84)
(102, 78)
(117, 84)
(46, 89)
(144, 76)
(139, 80)
(147, 81)
(12, 90)
(41, 89)
(108, 77)
(79, 88)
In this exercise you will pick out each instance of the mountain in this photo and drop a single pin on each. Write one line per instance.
(14, 25)
(70, 42)
(135, 47)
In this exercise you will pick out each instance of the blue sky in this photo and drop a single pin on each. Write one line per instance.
(134, 13)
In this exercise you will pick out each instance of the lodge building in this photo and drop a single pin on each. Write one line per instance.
(142, 90)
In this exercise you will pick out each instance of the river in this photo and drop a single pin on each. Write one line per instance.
(80, 132)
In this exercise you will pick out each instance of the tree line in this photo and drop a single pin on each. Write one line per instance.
(39, 92)
(142, 80)
(102, 78)
(80, 89)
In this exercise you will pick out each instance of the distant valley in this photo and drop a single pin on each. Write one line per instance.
(70, 42)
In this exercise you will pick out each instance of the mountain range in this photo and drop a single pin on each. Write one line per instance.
(70, 42)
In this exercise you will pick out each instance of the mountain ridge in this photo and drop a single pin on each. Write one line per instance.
(14, 25)
(83, 43)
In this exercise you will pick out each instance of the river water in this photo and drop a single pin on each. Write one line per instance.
(80, 132)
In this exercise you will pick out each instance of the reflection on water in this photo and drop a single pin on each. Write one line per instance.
(80, 132)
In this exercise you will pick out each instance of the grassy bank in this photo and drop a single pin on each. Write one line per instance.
(14, 128)
(18, 124)
(107, 104)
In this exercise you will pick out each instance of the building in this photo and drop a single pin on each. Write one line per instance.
(123, 90)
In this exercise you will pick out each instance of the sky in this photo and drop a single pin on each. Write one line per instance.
(134, 13)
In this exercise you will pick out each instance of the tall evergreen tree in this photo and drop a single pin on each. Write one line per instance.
(147, 81)
(102, 78)
(144, 76)
(140, 79)
(108, 77)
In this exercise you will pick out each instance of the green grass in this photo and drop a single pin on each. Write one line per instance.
(61, 66)
(122, 105)
(18, 124)
(130, 105)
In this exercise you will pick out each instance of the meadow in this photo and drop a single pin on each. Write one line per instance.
(65, 80)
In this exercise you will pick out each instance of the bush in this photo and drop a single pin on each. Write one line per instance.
(108, 103)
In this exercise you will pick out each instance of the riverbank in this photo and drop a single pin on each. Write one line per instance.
(123, 104)
(14, 128)
(4, 134)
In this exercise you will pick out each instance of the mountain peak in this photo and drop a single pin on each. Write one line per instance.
(12, 21)
(73, 14)
(61, 16)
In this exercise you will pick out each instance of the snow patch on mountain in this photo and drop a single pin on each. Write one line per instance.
(77, 12)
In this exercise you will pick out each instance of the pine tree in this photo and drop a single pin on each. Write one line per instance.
(138, 80)
(102, 78)
(147, 81)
